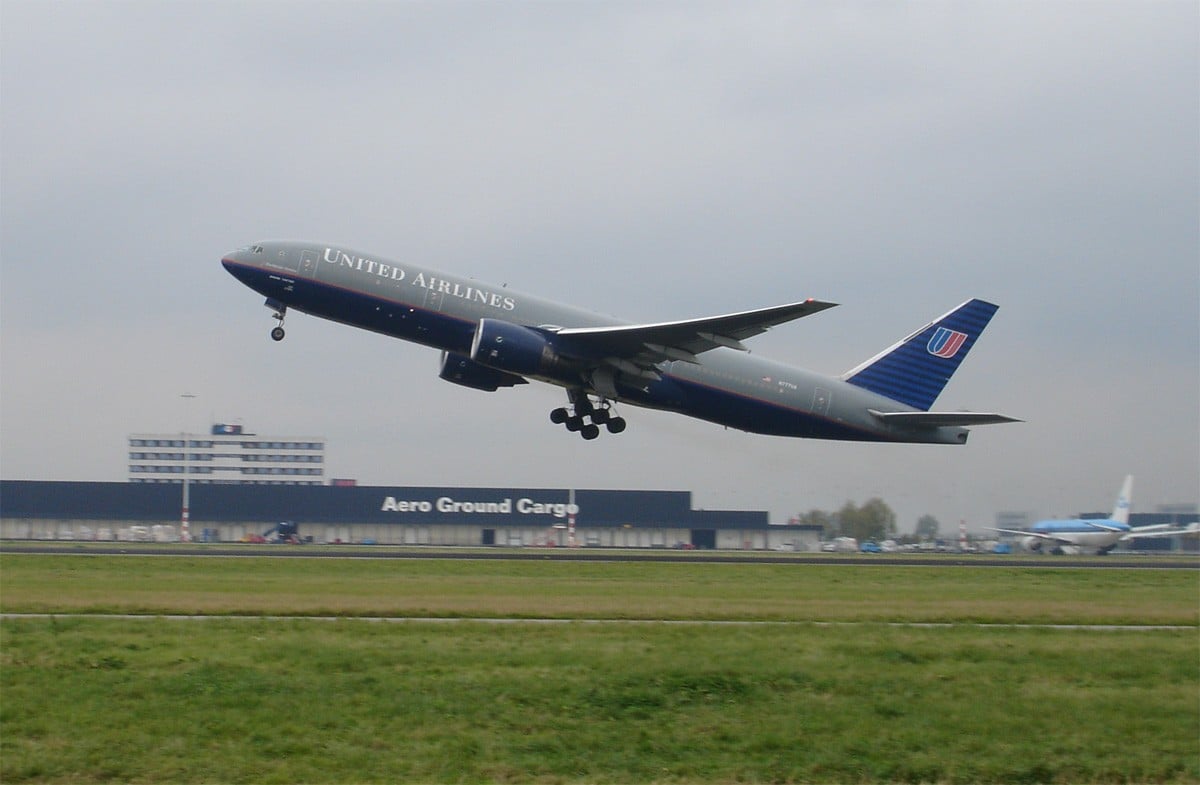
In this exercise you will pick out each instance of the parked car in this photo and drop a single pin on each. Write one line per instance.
(845, 545)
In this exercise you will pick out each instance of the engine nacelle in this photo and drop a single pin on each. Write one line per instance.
(512, 348)
(464, 371)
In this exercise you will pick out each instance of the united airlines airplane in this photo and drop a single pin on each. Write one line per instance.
(493, 337)
(1090, 535)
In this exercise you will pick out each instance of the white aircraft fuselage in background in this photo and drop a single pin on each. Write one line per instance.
(1090, 536)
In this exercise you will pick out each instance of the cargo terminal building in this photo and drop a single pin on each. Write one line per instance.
(222, 512)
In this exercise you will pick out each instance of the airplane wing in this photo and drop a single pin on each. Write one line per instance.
(1163, 530)
(939, 419)
(641, 346)
(1039, 535)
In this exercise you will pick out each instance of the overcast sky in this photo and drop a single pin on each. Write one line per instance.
(655, 161)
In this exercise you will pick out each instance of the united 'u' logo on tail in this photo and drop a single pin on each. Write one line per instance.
(945, 342)
(914, 371)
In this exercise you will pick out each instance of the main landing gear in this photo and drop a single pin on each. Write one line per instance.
(581, 409)
(280, 311)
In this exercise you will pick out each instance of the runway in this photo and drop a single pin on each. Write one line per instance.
(1155, 562)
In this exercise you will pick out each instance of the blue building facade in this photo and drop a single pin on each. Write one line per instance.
(396, 515)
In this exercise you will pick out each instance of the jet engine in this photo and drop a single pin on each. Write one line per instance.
(462, 370)
(513, 349)
(1032, 544)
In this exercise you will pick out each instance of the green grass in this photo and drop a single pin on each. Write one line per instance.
(89, 700)
(513, 589)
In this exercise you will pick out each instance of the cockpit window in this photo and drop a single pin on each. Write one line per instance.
(256, 249)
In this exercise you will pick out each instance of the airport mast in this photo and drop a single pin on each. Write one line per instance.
(571, 543)
(185, 534)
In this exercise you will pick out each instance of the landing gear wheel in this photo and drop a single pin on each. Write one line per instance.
(586, 417)
(279, 311)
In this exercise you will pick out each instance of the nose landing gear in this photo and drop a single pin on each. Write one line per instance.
(280, 311)
(581, 410)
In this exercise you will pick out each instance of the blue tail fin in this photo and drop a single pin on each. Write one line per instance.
(915, 371)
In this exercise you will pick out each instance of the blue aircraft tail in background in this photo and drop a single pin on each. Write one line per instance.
(915, 370)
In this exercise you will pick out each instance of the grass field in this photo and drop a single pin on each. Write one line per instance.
(605, 590)
(253, 700)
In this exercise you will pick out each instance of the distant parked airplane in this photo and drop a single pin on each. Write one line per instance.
(1090, 535)
(493, 337)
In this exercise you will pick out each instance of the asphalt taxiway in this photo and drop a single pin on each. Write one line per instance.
(1158, 562)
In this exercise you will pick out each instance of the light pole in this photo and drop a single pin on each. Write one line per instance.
(185, 534)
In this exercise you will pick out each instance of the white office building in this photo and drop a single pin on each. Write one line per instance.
(227, 455)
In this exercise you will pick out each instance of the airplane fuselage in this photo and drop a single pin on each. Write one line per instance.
(1079, 536)
(442, 311)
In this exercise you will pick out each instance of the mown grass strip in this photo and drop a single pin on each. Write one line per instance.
(96, 700)
(312, 587)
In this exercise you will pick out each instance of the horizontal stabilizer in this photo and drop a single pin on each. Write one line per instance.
(940, 419)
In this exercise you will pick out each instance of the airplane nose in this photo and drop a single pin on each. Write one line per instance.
(235, 266)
